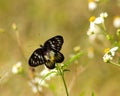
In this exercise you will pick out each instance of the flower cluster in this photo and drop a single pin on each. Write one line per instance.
(94, 29)
(96, 21)
(17, 68)
(37, 84)
(40, 79)
(109, 54)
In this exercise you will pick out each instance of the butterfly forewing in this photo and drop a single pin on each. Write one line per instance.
(37, 58)
(54, 43)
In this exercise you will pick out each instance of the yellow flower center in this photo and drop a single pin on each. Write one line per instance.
(107, 50)
(92, 19)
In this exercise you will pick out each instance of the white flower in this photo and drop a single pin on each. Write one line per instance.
(44, 72)
(94, 22)
(113, 50)
(107, 58)
(47, 71)
(40, 81)
(37, 83)
(109, 54)
(95, 30)
(35, 88)
(116, 22)
(17, 68)
(92, 5)
(104, 15)
(100, 19)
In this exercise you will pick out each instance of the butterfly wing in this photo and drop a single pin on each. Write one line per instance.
(54, 43)
(59, 57)
(37, 58)
(50, 65)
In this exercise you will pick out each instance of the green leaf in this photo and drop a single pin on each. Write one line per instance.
(72, 59)
(66, 70)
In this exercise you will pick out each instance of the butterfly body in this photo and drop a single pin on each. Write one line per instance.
(48, 54)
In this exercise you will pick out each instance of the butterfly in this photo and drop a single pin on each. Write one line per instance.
(48, 53)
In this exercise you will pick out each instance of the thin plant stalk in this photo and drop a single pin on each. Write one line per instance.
(115, 64)
(61, 72)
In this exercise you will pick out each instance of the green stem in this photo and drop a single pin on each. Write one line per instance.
(60, 71)
(115, 64)
(104, 27)
(65, 85)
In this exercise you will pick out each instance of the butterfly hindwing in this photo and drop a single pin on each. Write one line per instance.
(49, 56)
(59, 57)
(50, 65)
(37, 58)
(54, 43)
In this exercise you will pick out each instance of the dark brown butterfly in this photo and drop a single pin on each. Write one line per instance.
(48, 54)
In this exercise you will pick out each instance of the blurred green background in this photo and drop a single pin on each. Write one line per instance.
(39, 20)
